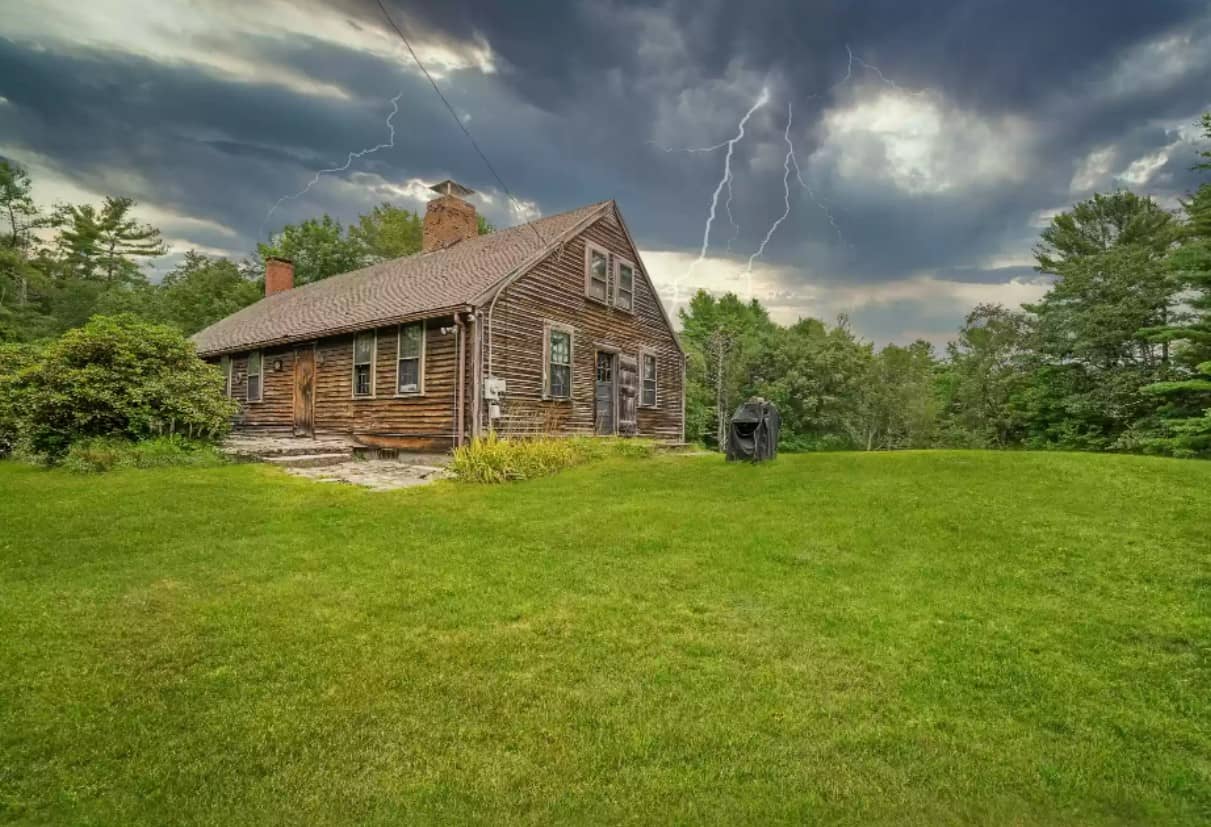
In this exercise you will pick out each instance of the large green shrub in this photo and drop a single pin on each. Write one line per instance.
(492, 459)
(120, 377)
(14, 358)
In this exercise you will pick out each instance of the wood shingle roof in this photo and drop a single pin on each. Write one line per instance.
(391, 291)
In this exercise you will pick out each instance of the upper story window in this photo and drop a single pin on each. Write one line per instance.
(254, 376)
(363, 364)
(624, 284)
(225, 369)
(410, 360)
(557, 361)
(647, 367)
(596, 278)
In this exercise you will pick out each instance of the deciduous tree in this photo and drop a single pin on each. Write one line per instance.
(319, 248)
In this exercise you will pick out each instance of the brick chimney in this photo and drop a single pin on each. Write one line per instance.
(279, 275)
(448, 218)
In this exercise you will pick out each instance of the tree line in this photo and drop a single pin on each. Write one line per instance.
(63, 264)
(1115, 357)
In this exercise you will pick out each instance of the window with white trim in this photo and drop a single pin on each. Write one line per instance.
(254, 376)
(363, 364)
(596, 279)
(558, 362)
(225, 369)
(624, 285)
(410, 359)
(647, 368)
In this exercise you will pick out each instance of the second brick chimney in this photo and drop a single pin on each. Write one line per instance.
(448, 218)
(279, 275)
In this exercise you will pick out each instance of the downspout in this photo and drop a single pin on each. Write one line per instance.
(476, 372)
(491, 310)
(460, 393)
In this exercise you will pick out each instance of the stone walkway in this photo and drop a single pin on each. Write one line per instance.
(338, 459)
(381, 474)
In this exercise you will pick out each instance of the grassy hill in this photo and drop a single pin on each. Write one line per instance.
(910, 638)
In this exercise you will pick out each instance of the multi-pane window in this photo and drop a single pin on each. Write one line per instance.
(648, 391)
(410, 358)
(363, 364)
(559, 367)
(225, 369)
(624, 288)
(254, 376)
(596, 281)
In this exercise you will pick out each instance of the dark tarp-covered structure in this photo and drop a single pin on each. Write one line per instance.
(753, 432)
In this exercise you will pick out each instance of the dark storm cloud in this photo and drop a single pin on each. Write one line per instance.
(995, 52)
(1036, 60)
(204, 145)
(580, 87)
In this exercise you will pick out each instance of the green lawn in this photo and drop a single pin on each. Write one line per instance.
(913, 638)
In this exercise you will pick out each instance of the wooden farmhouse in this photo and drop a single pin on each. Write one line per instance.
(551, 327)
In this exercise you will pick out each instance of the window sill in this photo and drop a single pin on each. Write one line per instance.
(595, 300)
(566, 399)
(364, 397)
(409, 395)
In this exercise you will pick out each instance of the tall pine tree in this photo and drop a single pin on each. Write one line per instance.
(1189, 399)
(106, 244)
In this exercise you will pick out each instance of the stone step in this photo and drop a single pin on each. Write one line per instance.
(283, 448)
(309, 460)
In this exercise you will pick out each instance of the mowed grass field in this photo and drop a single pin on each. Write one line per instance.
(913, 638)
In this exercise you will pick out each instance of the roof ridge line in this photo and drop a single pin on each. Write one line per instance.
(526, 264)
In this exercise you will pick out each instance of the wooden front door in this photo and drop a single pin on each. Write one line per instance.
(304, 392)
(603, 398)
(628, 395)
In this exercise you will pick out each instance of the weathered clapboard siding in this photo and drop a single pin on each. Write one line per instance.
(429, 415)
(554, 291)
(277, 389)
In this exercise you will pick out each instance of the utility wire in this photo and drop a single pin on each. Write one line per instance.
(458, 120)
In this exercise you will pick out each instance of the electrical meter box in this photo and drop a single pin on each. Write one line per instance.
(494, 388)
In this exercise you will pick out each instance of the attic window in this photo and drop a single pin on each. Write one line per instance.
(363, 364)
(624, 285)
(596, 280)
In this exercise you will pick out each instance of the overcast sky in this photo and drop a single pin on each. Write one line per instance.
(930, 159)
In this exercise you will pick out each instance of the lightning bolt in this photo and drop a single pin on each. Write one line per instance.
(790, 162)
(820, 204)
(725, 181)
(879, 72)
(727, 208)
(664, 148)
(786, 201)
(349, 159)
